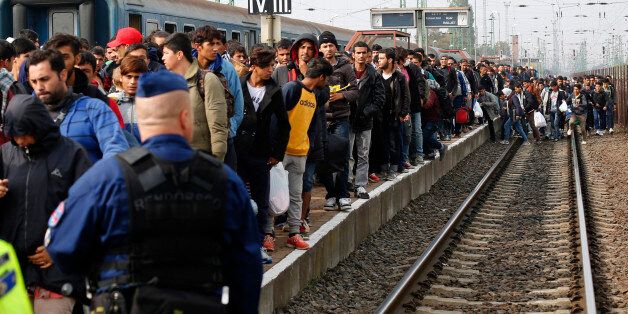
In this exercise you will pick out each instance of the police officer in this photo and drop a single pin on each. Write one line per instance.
(161, 227)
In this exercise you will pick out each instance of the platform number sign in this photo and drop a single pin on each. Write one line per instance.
(270, 6)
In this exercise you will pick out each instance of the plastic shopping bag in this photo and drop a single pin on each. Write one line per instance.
(539, 120)
(477, 110)
(563, 106)
(279, 193)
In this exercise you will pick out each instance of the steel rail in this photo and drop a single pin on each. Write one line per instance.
(396, 298)
(589, 292)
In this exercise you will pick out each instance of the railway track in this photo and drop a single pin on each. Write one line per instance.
(514, 245)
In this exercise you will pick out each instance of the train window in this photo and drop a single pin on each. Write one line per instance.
(170, 27)
(151, 25)
(235, 35)
(223, 32)
(188, 28)
(63, 21)
(135, 21)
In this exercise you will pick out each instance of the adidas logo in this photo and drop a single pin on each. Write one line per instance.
(56, 173)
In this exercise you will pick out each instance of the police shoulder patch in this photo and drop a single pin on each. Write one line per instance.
(56, 215)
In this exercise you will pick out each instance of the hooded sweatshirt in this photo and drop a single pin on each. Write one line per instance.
(284, 74)
(39, 179)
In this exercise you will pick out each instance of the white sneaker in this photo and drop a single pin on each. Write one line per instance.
(330, 204)
(569, 132)
(345, 204)
(610, 131)
(583, 143)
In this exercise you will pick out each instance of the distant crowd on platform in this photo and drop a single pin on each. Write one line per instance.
(344, 119)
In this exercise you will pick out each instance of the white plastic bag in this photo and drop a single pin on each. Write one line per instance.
(563, 106)
(477, 110)
(279, 193)
(539, 120)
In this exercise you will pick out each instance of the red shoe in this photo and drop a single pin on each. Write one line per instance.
(407, 165)
(269, 243)
(374, 178)
(297, 242)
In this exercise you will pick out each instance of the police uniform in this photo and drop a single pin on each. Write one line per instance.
(191, 227)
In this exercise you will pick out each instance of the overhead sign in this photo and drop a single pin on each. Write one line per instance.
(393, 19)
(444, 19)
(270, 6)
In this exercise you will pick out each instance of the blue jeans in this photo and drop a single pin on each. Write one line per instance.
(416, 139)
(555, 122)
(429, 136)
(609, 116)
(518, 127)
(308, 176)
(597, 117)
(338, 189)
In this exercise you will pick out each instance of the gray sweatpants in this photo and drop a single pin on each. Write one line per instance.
(363, 142)
(295, 165)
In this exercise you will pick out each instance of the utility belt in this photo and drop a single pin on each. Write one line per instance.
(154, 299)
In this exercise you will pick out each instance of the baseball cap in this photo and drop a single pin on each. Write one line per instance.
(126, 36)
(152, 84)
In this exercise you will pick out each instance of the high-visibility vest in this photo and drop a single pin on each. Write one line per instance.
(13, 295)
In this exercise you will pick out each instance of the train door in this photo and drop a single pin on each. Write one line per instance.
(246, 41)
(63, 20)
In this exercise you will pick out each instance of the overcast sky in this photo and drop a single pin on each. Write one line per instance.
(603, 19)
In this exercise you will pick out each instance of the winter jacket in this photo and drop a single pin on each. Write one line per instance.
(284, 74)
(470, 74)
(371, 99)
(487, 83)
(39, 179)
(417, 86)
(451, 79)
(344, 76)
(599, 99)
(515, 106)
(578, 104)
(256, 136)
(530, 102)
(211, 128)
(547, 105)
(91, 123)
(401, 97)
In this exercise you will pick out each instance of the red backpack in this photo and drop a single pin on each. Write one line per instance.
(462, 116)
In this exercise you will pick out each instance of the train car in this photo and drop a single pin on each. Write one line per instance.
(98, 20)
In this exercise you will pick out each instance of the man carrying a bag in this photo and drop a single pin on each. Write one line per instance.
(258, 146)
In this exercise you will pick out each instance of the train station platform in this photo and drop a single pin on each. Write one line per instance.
(334, 235)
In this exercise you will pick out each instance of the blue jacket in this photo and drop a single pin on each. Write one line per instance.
(95, 216)
(91, 123)
(233, 81)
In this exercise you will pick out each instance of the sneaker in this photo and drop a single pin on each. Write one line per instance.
(360, 192)
(447, 137)
(569, 132)
(407, 165)
(504, 142)
(430, 156)
(296, 241)
(442, 151)
(610, 131)
(344, 204)
(330, 204)
(526, 143)
(304, 230)
(374, 178)
(418, 160)
(269, 243)
(390, 176)
(266, 259)
(583, 143)
(598, 132)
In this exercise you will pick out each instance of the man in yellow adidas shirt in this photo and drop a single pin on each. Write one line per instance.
(301, 102)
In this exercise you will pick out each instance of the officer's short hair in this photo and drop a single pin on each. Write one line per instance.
(578, 85)
(180, 42)
(318, 67)
(54, 58)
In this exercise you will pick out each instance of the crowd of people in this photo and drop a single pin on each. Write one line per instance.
(72, 113)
